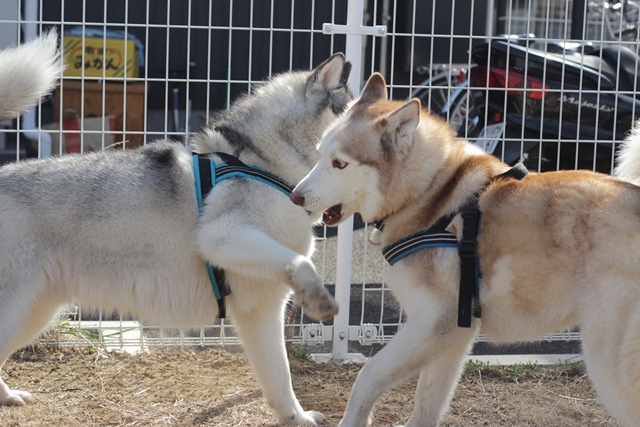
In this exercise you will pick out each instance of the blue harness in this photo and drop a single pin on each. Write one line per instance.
(438, 236)
(207, 174)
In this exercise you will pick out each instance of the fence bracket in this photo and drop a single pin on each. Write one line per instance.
(365, 334)
(378, 30)
(316, 333)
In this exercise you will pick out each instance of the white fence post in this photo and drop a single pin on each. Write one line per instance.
(30, 125)
(353, 52)
(355, 31)
(343, 289)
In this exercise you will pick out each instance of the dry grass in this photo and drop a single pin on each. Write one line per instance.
(214, 387)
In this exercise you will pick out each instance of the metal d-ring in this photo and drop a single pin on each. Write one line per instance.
(374, 236)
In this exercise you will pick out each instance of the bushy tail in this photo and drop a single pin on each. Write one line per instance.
(28, 72)
(628, 157)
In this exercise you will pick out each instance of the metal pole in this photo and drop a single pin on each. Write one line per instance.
(384, 43)
(353, 52)
(488, 26)
(29, 125)
(577, 19)
(502, 16)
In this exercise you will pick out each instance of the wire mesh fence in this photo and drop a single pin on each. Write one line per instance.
(552, 83)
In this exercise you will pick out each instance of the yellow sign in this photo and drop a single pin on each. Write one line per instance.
(102, 57)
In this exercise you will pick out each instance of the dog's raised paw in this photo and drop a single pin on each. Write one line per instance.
(319, 304)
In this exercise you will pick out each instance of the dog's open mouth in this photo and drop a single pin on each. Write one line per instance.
(333, 215)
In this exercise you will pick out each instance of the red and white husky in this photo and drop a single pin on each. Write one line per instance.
(556, 250)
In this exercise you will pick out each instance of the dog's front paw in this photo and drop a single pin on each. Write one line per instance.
(15, 398)
(358, 423)
(309, 291)
(306, 418)
(318, 303)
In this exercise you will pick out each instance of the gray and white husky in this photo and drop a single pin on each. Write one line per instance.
(121, 229)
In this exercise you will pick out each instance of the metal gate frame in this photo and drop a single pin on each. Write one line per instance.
(127, 333)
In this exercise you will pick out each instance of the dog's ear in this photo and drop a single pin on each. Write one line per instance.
(403, 122)
(330, 79)
(331, 74)
(374, 90)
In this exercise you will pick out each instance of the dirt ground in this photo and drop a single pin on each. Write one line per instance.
(215, 387)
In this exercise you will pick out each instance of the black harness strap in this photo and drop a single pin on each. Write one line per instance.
(468, 251)
(416, 242)
(469, 274)
(438, 236)
(234, 167)
(229, 159)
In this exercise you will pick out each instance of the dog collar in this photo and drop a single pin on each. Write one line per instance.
(438, 236)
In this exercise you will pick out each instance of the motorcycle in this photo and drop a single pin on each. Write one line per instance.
(552, 105)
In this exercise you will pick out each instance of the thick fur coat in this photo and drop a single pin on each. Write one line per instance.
(120, 229)
(556, 250)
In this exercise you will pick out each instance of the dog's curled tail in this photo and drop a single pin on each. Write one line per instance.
(28, 72)
(628, 157)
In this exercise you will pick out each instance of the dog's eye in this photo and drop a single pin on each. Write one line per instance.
(339, 164)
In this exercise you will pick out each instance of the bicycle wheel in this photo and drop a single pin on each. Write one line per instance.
(436, 93)
(445, 96)
(457, 107)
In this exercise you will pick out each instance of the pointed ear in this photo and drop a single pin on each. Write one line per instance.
(374, 90)
(331, 74)
(403, 123)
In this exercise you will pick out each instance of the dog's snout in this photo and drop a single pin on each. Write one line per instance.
(297, 199)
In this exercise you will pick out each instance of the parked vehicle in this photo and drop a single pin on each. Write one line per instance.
(552, 105)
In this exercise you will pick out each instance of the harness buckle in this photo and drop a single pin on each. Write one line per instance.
(470, 213)
(467, 248)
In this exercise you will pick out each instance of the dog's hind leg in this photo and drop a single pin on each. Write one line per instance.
(23, 315)
(10, 397)
(611, 349)
(261, 328)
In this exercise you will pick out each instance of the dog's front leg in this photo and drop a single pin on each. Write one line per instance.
(438, 380)
(415, 348)
(249, 251)
(261, 266)
(261, 329)
(405, 355)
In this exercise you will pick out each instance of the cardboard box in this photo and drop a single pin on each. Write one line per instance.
(97, 136)
(102, 57)
(124, 101)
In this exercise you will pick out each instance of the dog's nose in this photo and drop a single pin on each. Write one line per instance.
(297, 199)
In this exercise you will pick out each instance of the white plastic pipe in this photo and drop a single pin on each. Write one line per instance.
(353, 52)
(488, 26)
(28, 122)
